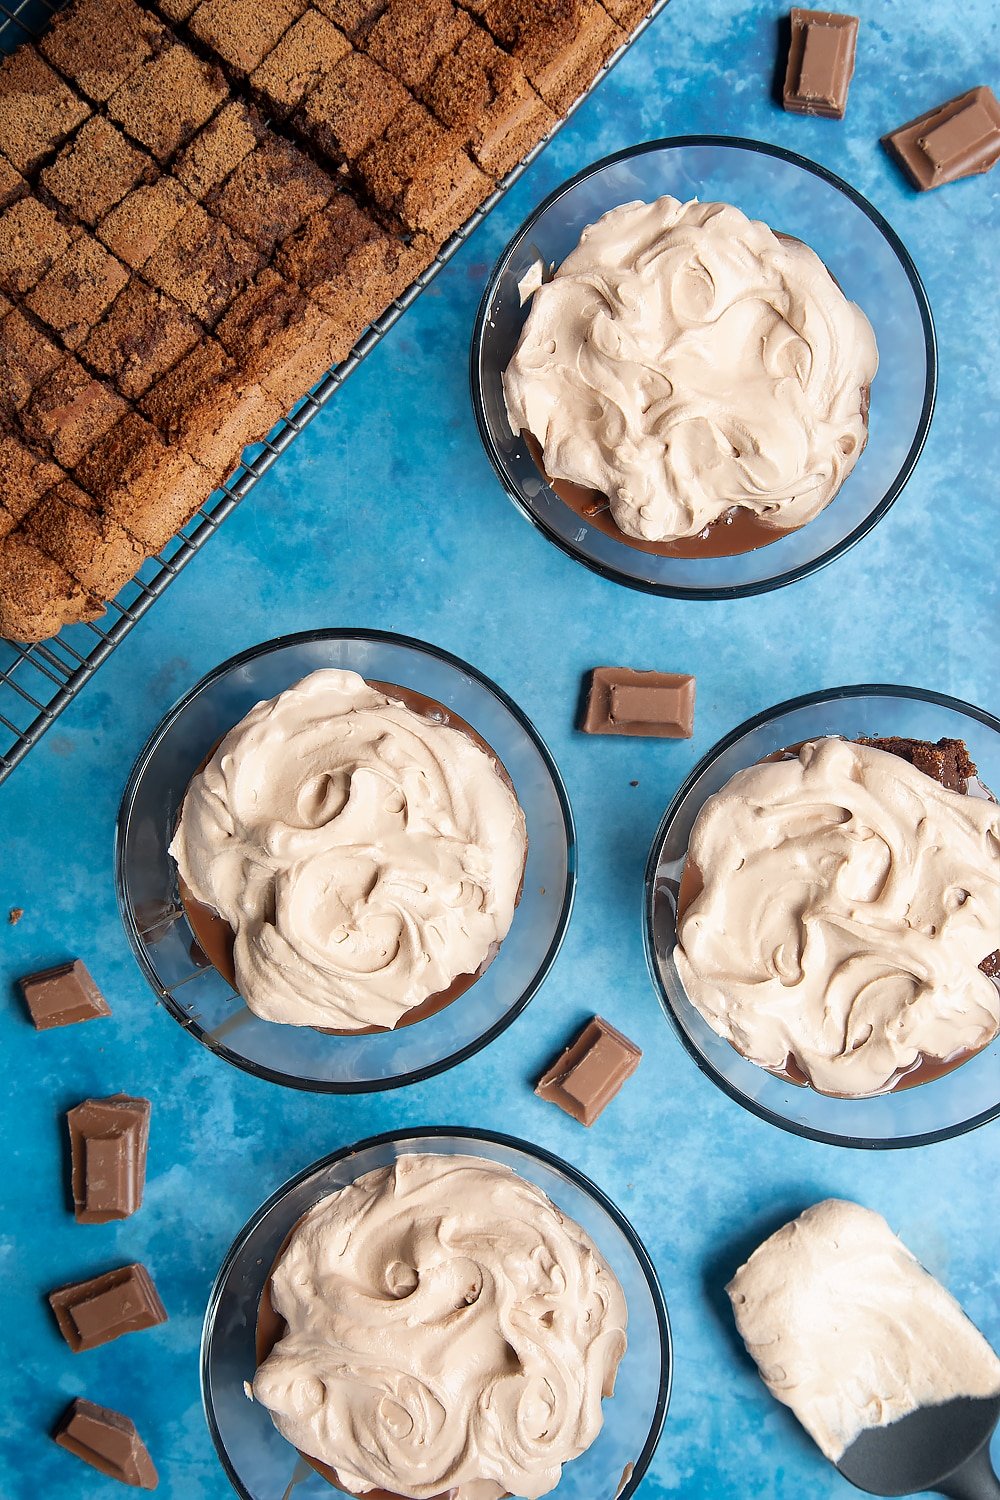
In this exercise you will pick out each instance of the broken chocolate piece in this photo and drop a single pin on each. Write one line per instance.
(820, 63)
(62, 996)
(658, 705)
(108, 1142)
(589, 1073)
(958, 139)
(94, 1312)
(108, 1442)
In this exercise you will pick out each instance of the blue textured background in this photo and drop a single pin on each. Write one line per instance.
(387, 514)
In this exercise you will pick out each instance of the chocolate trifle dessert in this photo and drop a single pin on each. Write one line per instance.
(839, 913)
(691, 382)
(439, 1330)
(350, 855)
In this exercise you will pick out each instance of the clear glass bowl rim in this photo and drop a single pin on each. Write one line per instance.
(437, 1132)
(806, 700)
(803, 570)
(428, 1070)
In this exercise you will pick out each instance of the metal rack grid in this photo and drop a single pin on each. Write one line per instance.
(37, 682)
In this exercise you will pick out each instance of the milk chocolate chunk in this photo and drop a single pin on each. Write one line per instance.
(820, 63)
(655, 705)
(108, 1442)
(588, 1075)
(62, 996)
(108, 1141)
(94, 1312)
(958, 139)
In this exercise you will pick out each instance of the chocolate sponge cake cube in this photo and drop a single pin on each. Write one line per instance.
(99, 43)
(411, 37)
(208, 406)
(242, 32)
(421, 172)
(77, 290)
(271, 193)
(560, 44)
(38, 109)
(95, 550)
(280, 337)
(137, 226)
(308, 51)
(142, 336)
(37, 596)
(167, 100)
(27, 358)
(149, 487)
(203, 265)
(69, 412)
(95, 169)
(31, 238)
(26, 477)
(484, 96)
(351, 108)
(218, 149)
(354, 17)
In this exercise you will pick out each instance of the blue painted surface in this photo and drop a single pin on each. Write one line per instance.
(387, 514)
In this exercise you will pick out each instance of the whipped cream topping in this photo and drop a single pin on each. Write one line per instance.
(848, 901)
(685, 359)
(849, 1330)
(363, 855)
(449, 1331)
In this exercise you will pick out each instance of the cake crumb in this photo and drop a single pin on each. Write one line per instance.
(633, 783)
(15, 914)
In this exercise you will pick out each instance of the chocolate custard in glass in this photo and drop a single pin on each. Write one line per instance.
(350, 855)
(691, 382)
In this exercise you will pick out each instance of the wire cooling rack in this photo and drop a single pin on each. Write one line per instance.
(37, 682)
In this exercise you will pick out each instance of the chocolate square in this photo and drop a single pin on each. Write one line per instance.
(99, 43)
(654, 705)
(208, 405)
(167, 100)
(280, 337)
(420, 172)
(590, 1072)
(108, 1442)
(960, 138)
(77, 290)
(95, 170)
(109, 1139)
(105, 1307)
(37, 597)
(27, 475)
(38, 110)
(243, 32)
(820, 63)
(354, 17)
(307, 52)
(62, 996)
(483, 94)
(12, 184)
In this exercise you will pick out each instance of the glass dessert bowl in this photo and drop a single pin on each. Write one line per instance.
(800, 201)
(960, 1099)
(169, 936)
(262, 1465)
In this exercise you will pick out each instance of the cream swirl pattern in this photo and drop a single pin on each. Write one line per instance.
(685, 359)
(849, 1330)
(848, 900)
(448, 1331)
(363, 855)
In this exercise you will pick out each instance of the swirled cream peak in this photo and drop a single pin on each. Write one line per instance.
(364, 855)
(848, 901)
(449, 1331)
(849, 1330)
(685, 359)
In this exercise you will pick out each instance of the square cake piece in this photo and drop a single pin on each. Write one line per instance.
(149, 487)
(38, 110)
(202, 264)
(210, 407)
(69, 412)
(99, 43)
(411, 37)
(280, 337)
(31, 238)
(271, 193)
(354, 17)
(218, 150)
(93, 548)
(242, 32)
(95, 169)
(306, 53)
(420, 171)
(143, 335)
(27, 358)
(351, 108)
(484, 95)
(77, 290)
(138, 225)
(27, 476)
(168, 99)
(37, 596)
(562, 67)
